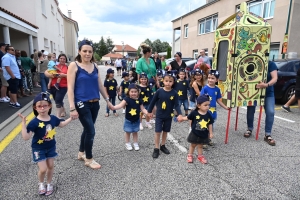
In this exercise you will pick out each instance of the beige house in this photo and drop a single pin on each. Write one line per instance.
(197, 27)
(36, 24)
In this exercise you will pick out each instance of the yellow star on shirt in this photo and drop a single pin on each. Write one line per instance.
(172, 97)
(125, 90)
(172, 114)
(212, 110)
(107, 79)
(197, 117)
(51, 134)
(180, 93)
(137, 102)
(164, 105)
(183, 83)
(111, 88)
(203, 123)
(210, 98)
(147, 89)
(142, 93)
(132, 112)
(145, 99)
(178, 81)
(40, 141)
(41, 124)
(113, 81)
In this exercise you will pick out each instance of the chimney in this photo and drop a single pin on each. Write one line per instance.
(70, 14)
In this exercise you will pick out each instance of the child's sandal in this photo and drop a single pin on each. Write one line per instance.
(189, 158)
(81, 156)
(269, 140)
(42, 189)
(248, 134)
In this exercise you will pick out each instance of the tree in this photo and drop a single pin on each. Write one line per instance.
(156, 46)
(102, 48)
(109, 44)
(97, 57)
(169, 52)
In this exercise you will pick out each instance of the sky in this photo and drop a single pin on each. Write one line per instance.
(130, 21)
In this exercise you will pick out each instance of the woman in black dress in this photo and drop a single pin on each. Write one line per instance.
(177, 63)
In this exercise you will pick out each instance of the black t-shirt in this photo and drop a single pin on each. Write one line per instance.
(182, 87)
(133, 109)
(298, 80)
(175, 65)
(200, 123)
(111, 87)
(146, 95)
(124, 85)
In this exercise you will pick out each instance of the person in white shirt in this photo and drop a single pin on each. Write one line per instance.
(118, 65)
(203, 57)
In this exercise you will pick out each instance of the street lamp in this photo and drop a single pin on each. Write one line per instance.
(123, 47)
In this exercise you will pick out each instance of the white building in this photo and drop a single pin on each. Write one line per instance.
(35, 24)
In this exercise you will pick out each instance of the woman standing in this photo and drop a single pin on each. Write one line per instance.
(177, 64)
(146, 64)
(59, 95)
(157, 61)
(43, 66)
(163, 63)
(82, 74)
(27, 64)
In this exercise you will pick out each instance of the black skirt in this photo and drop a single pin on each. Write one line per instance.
(195, 139)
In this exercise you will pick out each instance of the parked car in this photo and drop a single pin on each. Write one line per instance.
(285, 86)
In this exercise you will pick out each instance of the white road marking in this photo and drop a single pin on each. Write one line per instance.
(176, 143)
(288, 120)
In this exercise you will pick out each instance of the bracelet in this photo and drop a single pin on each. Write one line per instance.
(72, 110)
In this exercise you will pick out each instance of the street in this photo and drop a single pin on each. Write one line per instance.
(242, 169)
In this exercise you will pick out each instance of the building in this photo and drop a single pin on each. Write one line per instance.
(197, 27)
(36, 24)
(111, 56)
(125, 50)
(71, 36)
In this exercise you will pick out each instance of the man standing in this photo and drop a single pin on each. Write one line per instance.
(11, 73)
(124, 64)
(118, 65)
(203, 57)
(4, 84)
(22, 80)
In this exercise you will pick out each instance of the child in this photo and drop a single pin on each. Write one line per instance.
(214, 94)
(182, 87)
(42, 127)
(132, 121)
(52, 69)
(124, 87)
(146, 95)
(159, 75)
(110, 85)
(132, 76)
(201, 128)
(165, 99)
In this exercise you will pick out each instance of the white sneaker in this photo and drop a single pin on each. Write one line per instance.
(128, 146)
(148, 125)
(123, 111)
(141, 127)
(4, 100)
(136, 146)
(152, 121)
(7, 98)
(190, 129)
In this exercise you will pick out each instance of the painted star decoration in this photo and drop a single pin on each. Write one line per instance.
(203, 123)
(172, 97)
(212, 110)
(40, 141)
(41, 124)
(50, 134)
(180, 93)
(132, 112)
(145, 99)
(111, 88)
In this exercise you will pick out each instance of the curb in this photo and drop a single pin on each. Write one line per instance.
(7, 126)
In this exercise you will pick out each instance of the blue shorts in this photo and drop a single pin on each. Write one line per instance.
(163, 125)
(192, 105)
(39, 155)
(185, 103)
(131, 127)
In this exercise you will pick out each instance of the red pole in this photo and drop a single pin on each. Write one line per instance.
(227, 128)
(236, 118)
(258, 126)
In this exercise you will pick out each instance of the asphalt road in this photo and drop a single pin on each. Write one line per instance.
(242, 169)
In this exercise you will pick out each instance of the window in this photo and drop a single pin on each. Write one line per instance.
(46, 42)
(263, 8)
(186, 29)
(195, 54)
(43, 7)
(274, 51)
(208, 24)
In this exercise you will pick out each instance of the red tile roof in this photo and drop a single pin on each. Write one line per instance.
(127, 47)
(113, 55)
(17, 17)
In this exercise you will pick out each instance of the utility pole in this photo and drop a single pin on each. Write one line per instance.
(287, 24)
(123, 47)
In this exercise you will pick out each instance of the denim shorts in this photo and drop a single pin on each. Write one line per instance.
(185, 103)
(163, 125)
(39, 155)
(131, 127)
(192, 105)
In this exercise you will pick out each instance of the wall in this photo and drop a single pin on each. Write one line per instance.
(19, 40)
(294, 36)
(224, 9)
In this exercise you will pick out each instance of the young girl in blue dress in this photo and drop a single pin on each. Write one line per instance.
(132, 120)
(43, 144)
(110, 85)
